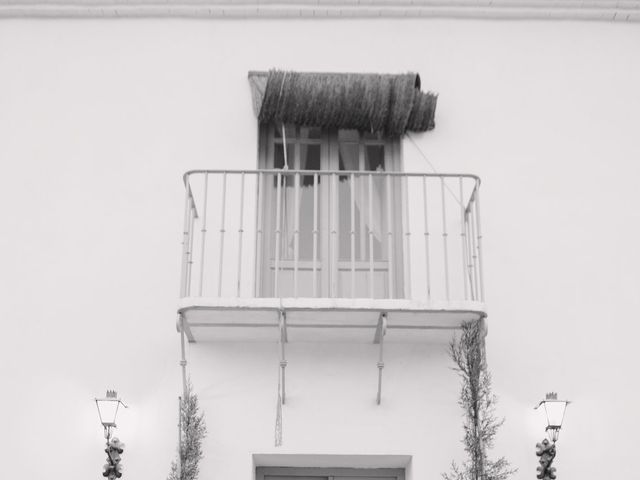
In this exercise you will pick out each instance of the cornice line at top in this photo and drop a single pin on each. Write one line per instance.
(598, 10)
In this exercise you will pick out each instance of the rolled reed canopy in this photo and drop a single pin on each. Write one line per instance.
(371, 102)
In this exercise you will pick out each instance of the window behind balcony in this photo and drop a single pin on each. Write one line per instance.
(333, 230)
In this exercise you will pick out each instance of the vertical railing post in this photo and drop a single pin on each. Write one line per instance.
(444, 238)
(315, 234)
(463, 240)
(191, 235)
(204, 232)
(363, 223)
(278, 226)
(222, 230)
(257, 267)
(370, 200)
(353, 235)
(390, 246)
(240, 233)
(406, 235)
(296, 233)
(468, 219)
(476, 270)
(472, 247)
(333, 243)
(185, 239)
(426, 236)
(479, 236)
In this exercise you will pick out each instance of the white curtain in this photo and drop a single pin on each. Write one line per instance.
(371, 217)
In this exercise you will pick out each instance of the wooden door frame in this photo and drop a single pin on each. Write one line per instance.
(266, 143)
(329, 267)
(321, 472)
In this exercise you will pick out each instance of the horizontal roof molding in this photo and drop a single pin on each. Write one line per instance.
(595, 10)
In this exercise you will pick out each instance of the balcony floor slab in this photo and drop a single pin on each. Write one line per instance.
(321, 319)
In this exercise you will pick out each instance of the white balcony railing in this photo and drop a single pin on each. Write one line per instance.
(332, 234)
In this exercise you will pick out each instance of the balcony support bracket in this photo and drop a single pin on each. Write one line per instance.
(381, 331)
(282, 339)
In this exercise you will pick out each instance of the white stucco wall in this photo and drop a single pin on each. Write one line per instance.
(331, 407)
(100, 118)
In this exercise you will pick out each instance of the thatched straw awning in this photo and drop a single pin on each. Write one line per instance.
(390, 104)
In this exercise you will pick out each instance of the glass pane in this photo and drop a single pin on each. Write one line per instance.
(371, 136)
(108, 410)
(278, 163)
(348, 160)
(348, 153)
(311, 133)
(348, 136)
(374, 158)
(309, 160)
(290, 131)
(369, 210)
(374, 162)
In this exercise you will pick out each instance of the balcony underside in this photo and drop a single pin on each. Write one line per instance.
(322, 319)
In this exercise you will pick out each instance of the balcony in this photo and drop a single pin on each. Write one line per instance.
(342, 255)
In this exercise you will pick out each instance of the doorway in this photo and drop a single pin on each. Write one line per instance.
(295, 473)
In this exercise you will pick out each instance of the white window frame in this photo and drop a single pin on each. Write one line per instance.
(329, 145)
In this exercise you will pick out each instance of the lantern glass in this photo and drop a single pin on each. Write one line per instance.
(555, 412)
(108, 409)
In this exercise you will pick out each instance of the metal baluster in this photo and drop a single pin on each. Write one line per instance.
(204, 231)
(370, 236)
(426, 236)
(190, 261)
(362, 193)
(277, 245)
(444, 237)
(333, 244)
(296, 234)
(479, 236)
(473, 246)
(406, 230)
(390, 263)
(363, 223)
(240, 232)
(468, 218)
(185, 240)
(222, 219)
(258, 246)
(315, 233)
(353, 236)
(463, 239)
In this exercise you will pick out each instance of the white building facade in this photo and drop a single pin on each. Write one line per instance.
(329, 281)
(323, 272)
